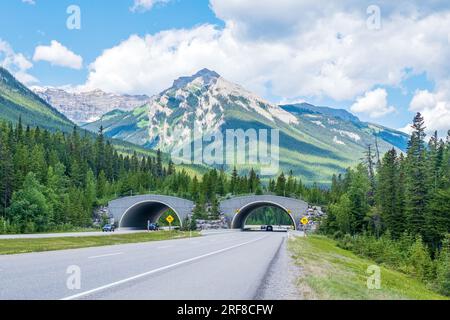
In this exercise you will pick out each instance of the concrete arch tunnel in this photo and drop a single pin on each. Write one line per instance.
(237, 210)
(134, 212)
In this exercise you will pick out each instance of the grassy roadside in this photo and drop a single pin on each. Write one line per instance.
(70, 230)
(329, 272)
(15, 246)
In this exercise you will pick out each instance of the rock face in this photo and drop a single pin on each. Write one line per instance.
(85, 107)
(212, 224)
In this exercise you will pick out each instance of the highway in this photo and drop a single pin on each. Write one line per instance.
(67, 234)
(230, 265)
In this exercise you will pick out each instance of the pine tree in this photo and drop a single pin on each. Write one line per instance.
(100, 152)
(194, 189)
(290, 185)
(90, 193)
(387, 194)
(234, 181)
(358, 191)
(101, 185)
(281, 185)
(370, 164)
(159, 166)
(416, 179)
(6, 174)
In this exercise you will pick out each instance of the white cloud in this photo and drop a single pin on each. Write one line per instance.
(373, 103)
(58, 55)
(435, 108)
(294, 49)
(29, 1)
(156, 60)
(423, 99)
(145, 5)
(16, 63)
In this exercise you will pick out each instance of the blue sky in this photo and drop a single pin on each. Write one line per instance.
(297, 50)
(104, 23)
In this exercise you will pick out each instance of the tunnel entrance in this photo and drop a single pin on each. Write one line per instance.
(257, 213)
(138, 215)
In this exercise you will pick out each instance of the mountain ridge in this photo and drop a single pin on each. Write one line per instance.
(17, 101)
(315, 142)
(88, 106)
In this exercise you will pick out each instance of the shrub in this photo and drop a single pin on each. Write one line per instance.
(442, 265)
(338, 235)
(420, 260)
(346, 242)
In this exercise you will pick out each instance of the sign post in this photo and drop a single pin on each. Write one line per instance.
(304, 221)
(170, 219)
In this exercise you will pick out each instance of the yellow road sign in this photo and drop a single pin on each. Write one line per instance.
(304, 221)
(170, 219)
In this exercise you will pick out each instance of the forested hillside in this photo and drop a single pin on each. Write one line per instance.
(17, 101)
(397, 211)
(53, 181)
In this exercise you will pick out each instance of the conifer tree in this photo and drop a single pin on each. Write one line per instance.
(416, 179)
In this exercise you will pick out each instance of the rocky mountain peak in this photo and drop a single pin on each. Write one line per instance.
(204, 77)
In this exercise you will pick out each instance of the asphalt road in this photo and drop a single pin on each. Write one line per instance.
(226, 266)
(67, 234)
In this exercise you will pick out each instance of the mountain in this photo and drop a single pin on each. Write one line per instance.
(17, 101)
(309, 108)
(315, 142)
(394, 137)
(84, 107)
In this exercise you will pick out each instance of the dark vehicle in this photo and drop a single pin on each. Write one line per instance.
(109, 228)
(153, 227)
(269, 228)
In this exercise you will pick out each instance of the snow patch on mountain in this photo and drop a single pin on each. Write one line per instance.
(318, 123)
(348, 134)
(337, 141)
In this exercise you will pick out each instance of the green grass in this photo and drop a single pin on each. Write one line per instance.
(69, 230)
(16, 246)
(329, 272)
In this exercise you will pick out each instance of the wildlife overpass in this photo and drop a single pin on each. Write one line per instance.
(134, 212)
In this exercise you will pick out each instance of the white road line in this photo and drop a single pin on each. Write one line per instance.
(86, 293)
(106, 255)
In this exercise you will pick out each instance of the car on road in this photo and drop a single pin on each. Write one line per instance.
(269, 228)
(153, 227)
(109, 228)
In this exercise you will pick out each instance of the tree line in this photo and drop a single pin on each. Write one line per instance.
(397, 209)
(51, 181)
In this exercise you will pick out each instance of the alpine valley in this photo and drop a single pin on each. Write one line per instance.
(315, 142)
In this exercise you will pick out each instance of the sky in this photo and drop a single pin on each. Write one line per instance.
(382, 60)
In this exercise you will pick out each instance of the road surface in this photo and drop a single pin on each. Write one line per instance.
(67, 234)
(216, 266)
